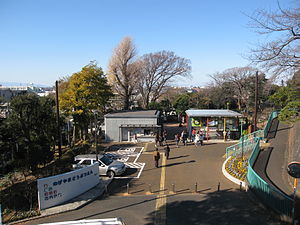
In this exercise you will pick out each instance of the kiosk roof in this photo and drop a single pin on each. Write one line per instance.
(212, 113)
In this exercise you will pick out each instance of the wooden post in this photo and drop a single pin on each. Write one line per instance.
(224, 129)
(207, 129)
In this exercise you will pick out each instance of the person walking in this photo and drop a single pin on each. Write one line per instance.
(177, 138)
(165, 137)
(201, 138)
(184, 138)
(167, 151)
(156, 157)
(197, 139)
(193, 134)
(156, 140)
(161, 140)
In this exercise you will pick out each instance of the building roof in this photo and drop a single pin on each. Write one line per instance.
(212, 113)
(134, 114)
(140, 125)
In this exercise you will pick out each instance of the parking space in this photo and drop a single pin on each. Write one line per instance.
(130, 156)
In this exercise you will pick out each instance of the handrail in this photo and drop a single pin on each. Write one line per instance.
(258, 133)
(241, 147)
(271, 196)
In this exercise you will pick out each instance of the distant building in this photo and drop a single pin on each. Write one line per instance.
(8, 92)
(140, 126)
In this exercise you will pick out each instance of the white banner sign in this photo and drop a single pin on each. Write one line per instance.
(61, 188)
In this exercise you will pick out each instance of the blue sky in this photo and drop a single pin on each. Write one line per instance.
(44, 40)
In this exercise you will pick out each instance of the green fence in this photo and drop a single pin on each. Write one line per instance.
(256, 134)
(249, 141)
(271, 196)
(268, 194)
(241, 147)
(272, 116)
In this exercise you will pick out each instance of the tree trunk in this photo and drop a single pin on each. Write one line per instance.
(74, 135)
(126, 102)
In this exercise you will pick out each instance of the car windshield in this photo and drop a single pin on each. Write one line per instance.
(106, 160)
(76, 161)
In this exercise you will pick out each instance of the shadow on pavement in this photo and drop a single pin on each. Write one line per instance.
(129, 171)
(118, 186)
(178, 157)
(224, 207)
(178, 163)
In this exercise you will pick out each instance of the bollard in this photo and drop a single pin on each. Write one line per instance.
(150, 189)
(127, 188)
(196, 187)
(241, 186)
(219, 186)
(173, 188)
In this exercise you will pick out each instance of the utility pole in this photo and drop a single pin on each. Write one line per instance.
(57, 120)
(256, 105)
(96, 132)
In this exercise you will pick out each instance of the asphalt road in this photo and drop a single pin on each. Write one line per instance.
(168, 194)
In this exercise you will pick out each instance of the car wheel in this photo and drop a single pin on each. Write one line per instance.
(111, 174)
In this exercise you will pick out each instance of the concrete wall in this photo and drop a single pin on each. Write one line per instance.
(112, 126)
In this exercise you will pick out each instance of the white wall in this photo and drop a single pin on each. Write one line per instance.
(112, 126)
(61, 188)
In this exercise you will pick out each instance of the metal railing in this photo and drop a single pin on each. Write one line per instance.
(256, 134)
(246, 142)
(268, 194)
(271, 196)
(241, 147)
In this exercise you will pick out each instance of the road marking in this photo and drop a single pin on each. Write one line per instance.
(138, 155)
(160, 207)
(136, 165)
(138, 176)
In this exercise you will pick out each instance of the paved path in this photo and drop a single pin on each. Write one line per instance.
(166, 204)
(271, 164)
(277, 166)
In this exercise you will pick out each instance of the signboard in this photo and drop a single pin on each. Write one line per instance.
(293, 169)
(196, 122)
(61, 188)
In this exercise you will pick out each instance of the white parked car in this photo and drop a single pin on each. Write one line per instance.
(107, 166)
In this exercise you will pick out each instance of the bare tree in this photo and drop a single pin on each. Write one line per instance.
(158, 69)
(281, 52)
(237, 77)
(123, 72)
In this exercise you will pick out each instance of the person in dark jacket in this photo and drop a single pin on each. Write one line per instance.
(156, 157)
(167, 151)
